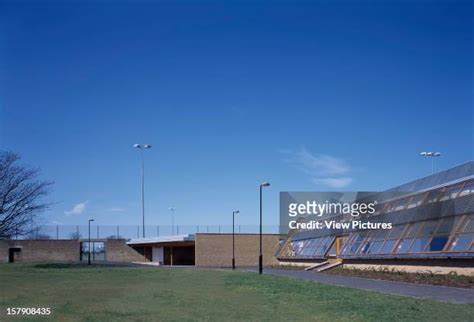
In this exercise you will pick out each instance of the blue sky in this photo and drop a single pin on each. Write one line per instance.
(307, 95)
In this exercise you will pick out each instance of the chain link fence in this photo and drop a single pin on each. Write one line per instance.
(131, 231)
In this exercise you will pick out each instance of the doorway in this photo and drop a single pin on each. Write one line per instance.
(11, 253)
(337, 246)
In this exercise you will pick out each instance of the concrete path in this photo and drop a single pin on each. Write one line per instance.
(432, 292)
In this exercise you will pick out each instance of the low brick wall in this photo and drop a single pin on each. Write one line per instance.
(42, 250)
(4, 246)
(118, 251)
(65, 251)
(215, 250)
(459, 266)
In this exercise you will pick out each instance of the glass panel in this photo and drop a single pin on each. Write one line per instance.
(416, 200)
(366, 246)
(375, 247)
(354, 248)
(470, 225)
(467, 189)
(451, 192)
(298, 248)
(378, 208)
(387, 247)
(379, 234)
(310, 247)
(428, 228)
(419, 244)
(396, 231)
(447, 225)
(403, 246)
(99, 251)
(392, 205)
(433, 196)
(462, 242)
(401, 204)
(321, 249)
(437, 243)
(412, 230)
(316, 242)
(85, 246)
(84, 251)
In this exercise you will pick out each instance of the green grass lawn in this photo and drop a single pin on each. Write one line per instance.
(144, 294)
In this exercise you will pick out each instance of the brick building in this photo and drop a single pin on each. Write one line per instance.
(201, 249)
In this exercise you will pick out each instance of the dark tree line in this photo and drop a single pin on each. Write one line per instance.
(22, 196)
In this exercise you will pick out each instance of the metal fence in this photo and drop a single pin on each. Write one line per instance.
(130, 232)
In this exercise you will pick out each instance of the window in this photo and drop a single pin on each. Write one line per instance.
(366, 246)
(387, 247)
(416, 200)
(450, 192)
(448, 225)
(97, 251)
(433, 196)
(462, 242)
(419, 244)
(396, 231)
(467, 189)
(413, 230)
(325, 243)
(309, 249)
(403, 246)
(374, 247)
(428, 228)
(437, 243)
(393, 205)
(470, 224)
(402, 204)
(298, 247)
(352, 244)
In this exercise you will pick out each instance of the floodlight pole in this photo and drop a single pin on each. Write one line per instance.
(431, 155)
(233, 238)
(172, 209)
(89, 252)
(260, 257)
(141, 147)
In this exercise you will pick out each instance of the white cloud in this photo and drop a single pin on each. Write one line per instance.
(323, 169)
(116, 209)
(77, 209)
(334, 182)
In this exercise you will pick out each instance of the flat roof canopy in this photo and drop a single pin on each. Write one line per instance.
(163, 239)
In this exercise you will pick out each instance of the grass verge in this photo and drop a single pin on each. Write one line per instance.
(144, 294)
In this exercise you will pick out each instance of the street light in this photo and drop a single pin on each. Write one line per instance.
(89, 255)
(233, 237)
(172, 209)
(260, 258)
(141, 147)
(431, 155)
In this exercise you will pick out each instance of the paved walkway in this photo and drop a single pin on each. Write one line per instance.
(432, 292)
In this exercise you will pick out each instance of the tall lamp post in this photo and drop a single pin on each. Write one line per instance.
(233, 237)
(89, 253)
(260, 258)
(172, 210)
(141, 147)
(431, 155)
